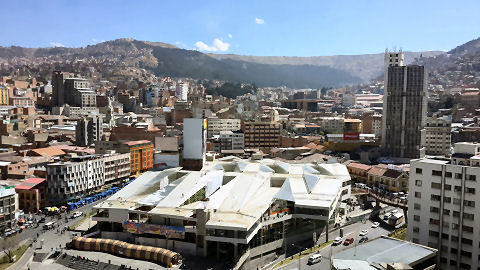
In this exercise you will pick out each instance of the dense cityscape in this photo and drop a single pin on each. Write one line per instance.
(129, 154)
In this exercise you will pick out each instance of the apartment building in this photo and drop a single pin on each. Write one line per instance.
(117, 167)
(89, 130)
(442, 204)
(228, 140)
(215, 125)
(261, 134)
(438, 136)
(332, 124)
(69, 181)
(7, 208)
(32, 195)
(141, 152)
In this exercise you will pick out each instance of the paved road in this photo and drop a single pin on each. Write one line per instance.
(349, 231)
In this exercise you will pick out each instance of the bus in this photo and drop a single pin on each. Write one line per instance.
(395, 219)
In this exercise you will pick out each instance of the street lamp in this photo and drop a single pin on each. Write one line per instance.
(300, 254)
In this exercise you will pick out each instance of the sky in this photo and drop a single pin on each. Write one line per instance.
(248, 27)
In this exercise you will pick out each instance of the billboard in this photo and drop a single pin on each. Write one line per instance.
(351, 136)
(167, 231)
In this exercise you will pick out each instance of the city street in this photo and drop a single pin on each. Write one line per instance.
(352, 230)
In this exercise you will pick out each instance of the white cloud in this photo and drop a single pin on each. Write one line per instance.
(230, 36)
(56, 44)
(204, 47)
(259, 21)
(94, 40)
(218, 45)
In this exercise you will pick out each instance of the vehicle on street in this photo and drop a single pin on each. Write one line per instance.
(76, 214)
(49, 225)
(395, 219)
(337, 241)
(375, 224)
(348, 241)
(363, 233)
(387, 216)
(404, 197)
(315, 258)
(363, 239)
(41, 220)
(394, 211)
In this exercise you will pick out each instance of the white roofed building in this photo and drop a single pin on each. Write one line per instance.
(236, 209)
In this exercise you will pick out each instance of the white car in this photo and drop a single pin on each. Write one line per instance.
(375, 224)
(77, 214)
(363, 233)
(337, 241)
(394, 211)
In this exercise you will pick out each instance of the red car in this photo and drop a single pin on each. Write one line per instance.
(348, 241)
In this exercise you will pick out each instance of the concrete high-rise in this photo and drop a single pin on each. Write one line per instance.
(58, 78)
(89, 130)
(404, 108)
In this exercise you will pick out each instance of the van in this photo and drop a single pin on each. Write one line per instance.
(315, 258)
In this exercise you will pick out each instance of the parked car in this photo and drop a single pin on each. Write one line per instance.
(387, 216)
(375, 224)
(41, 220)
(363, 233)
(315, 258)
(348, 241)
(363, 239)
(394, 211)
(337, 241)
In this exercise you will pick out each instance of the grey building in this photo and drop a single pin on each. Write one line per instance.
(404, 108)
(7, 208)
(69, 181)
(438, 136)
(89, 130)
(58, 92)
(228, 140)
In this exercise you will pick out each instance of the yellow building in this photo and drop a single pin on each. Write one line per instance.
(388, 179)
(4, 97)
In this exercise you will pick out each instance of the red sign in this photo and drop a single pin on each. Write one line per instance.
(351, 136)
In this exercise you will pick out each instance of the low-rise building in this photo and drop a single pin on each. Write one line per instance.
(141, 152)
(242, 211)
(32, 195)
(358, 171)
(388, 178)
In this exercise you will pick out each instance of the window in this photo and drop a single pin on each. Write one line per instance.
(454, 238)
(469, 203)
(436, 185)
(436, 173)
(468, 216)
(416, 229)
(434, 209)
(433, 233)
(457, 189)
(447, 187)
(418, 170)
(467, 229)
(446, 212)
(471, 177)
(456, 201)
(416, 206)
(436, 198)
(456, 213)
(416, 217)
(418, 194)
(467, 241)
(458, 176)
(470, 190)
(448, 174)
(418, 183)
(447, 199)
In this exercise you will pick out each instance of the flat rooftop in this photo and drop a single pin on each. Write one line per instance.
(384, 250)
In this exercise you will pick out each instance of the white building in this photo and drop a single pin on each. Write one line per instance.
(74, 179)
(215, 125)
(438, 136)
(181, 90)
(442, 204)
(236, 210)
(194, 143)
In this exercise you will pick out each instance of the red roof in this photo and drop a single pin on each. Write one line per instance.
(30, 183)
(130, 143)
